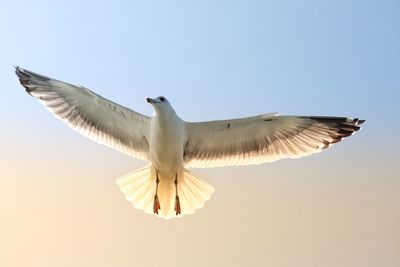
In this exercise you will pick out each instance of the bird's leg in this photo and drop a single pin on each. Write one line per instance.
(156, 204)
(177, 203)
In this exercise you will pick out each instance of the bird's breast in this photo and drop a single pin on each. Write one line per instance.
(167, 145)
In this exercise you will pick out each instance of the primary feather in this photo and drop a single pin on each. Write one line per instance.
(261, 139)
(90, 114)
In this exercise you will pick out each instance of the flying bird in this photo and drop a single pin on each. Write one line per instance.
(165, 186)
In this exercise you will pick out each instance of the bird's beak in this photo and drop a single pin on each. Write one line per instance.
(152, 101)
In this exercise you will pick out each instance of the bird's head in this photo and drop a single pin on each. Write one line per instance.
(160, 105)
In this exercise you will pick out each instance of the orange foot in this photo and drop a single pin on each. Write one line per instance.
(177, 206)
(156, 205)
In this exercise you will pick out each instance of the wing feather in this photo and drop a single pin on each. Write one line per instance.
(264, 138)
(90, 114)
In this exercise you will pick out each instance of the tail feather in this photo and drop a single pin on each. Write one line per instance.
(139, 188)
(135, 186)
(201, 191)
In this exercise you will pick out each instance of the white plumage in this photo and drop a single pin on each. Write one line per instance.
(165, 187)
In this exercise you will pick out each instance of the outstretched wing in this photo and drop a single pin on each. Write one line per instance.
(90, 114)
(264, 138)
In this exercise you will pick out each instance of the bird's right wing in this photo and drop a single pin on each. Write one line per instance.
(90, 114)
(264, 138)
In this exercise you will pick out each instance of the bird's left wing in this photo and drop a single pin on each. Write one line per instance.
(264, 138)
(90, 114)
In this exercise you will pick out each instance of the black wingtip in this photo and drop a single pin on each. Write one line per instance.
(18, 71)
(23, 77)
(21, 73)
(361, 122)
(342, 126)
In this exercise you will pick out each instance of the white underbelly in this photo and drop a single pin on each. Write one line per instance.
(165, 157)
(166, 150)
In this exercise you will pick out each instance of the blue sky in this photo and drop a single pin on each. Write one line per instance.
(308, 57)
(214, 60)
(211, 59)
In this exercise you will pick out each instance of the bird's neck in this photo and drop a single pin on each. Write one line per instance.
(167, 118)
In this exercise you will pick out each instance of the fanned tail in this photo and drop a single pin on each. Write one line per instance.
(193, 192)
(139, 188)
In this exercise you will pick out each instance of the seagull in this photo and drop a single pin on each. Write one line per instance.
(165, 187)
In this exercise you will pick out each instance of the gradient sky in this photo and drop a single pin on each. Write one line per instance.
(59, 202)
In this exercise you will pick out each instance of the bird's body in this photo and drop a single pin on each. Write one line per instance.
(166, 187)
(167, 137)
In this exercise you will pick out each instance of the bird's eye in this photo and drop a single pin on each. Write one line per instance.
(162, 99)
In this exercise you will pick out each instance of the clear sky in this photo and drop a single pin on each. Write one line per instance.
(59, 202)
